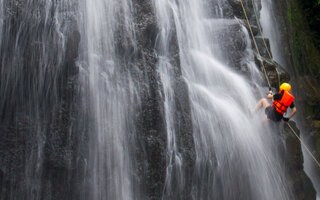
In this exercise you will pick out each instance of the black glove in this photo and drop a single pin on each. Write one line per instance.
(285, 119)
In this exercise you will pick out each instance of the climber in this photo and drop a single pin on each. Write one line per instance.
(281, 101)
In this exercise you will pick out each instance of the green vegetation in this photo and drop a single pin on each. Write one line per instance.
(311, 11)
(304, 25)
(304, 42)
(290, 15)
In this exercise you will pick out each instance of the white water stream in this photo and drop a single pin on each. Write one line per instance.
(271, 30)
(236, 156)
(233, 150)
(110, 98)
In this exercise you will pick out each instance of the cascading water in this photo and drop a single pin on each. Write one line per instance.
(233, 156)
(1, 21)
(33, 54)
(271, 30)
(121, 100)
(110, 97)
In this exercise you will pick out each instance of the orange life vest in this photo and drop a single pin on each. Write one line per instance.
(283, 104)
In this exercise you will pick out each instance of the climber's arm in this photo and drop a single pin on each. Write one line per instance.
(293, 111)
(270, 95)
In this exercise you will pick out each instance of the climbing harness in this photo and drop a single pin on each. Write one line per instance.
(265, 72)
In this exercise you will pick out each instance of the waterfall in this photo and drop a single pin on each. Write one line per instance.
(126, 100)
(110, 98)
(233, 156)
(269, 21)
(1, 21)
(271, 30)
(33, 41)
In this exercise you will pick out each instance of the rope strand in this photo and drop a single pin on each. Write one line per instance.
(260, 29)
(255, 43)
(305, 146)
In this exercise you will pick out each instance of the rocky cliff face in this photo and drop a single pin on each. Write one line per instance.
(292, 155)
(44, 138)
(38, 148)
(302, 60)
(293, 160)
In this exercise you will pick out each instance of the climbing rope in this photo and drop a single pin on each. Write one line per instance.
(263, 39)
(255, 43)
(260, 29)
(305, 146)
(265, 72)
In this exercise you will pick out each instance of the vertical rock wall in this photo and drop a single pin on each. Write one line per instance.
(298, 181)
(43, 140)
(302, 60)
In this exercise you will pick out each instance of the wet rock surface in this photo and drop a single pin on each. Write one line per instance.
(302, 61)
(275, 72)
(46, 125)
(151, 122)
(232, 41)
(38, 144)
(300, 183)
(264, 46)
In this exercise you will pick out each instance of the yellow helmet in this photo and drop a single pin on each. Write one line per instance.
(285, 86)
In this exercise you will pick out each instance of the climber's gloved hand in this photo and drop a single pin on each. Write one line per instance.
(285, 119)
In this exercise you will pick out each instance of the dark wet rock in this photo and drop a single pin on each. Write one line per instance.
(275, 72)
(183, 128)
(152, 117)
(225, 10)
(240, 13)
(297, 179)
(151, 120)
(232, 41)
(264, 47)
(183, 124)
(302, 61)
(72, 46)
(255, 30)
(302, 56)
(294, 157)
(309, 105)
(253, 19)
(237, 8)
(63, 148)
(36, 119)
